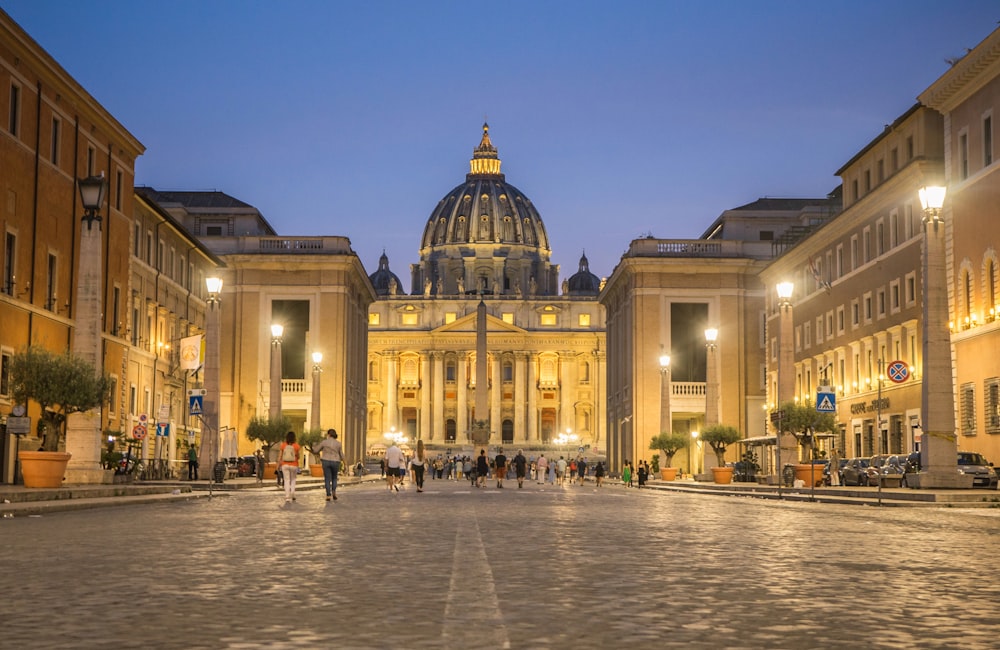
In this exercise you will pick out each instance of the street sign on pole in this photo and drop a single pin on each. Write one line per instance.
(826, 400)
(163, 429)
(196, 401)
(898, 372)
(18, 425)
(139, 431)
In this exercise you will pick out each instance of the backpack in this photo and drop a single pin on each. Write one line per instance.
(288, 454)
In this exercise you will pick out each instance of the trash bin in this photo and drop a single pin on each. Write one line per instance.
(219, 471)
(788, 475)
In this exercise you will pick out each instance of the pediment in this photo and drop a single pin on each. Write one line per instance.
(467, 323)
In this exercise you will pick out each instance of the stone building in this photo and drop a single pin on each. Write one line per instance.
(485, 240)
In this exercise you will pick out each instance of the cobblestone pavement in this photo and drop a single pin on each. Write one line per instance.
(540, 567)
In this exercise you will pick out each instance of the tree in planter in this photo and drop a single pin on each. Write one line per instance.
(268, 432)
(310, 439)
(804, 421)
(60, 384)
(668, 444)
(718, 437)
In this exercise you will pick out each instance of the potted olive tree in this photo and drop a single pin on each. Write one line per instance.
(60, 384)
(310, 439)
(668, 444)
(268, 433)
(804, 422)
(719, 437)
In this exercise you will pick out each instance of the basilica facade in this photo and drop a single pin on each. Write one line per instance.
(485, 241)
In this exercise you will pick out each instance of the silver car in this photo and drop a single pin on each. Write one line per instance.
(982, 471)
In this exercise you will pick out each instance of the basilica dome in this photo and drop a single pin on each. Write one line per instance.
(485, 236)
(583, 282)
(383, 280)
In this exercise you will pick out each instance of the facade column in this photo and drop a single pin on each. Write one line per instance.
(462, 431)
(532, 388)
(520, 430)
(392, 390)
(437, 396)
(567, 392)
(496, 394)
(597, 379)
(426, 386)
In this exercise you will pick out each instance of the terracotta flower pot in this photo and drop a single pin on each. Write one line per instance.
(43, 469)
(804, 470)
(316, 469)
(723, 474)
(270, 470)
(668, 473)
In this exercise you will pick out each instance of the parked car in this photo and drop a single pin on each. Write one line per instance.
(855, 472)
(876, 467)
(982, 471)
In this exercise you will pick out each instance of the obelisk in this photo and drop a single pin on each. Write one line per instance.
(481, 422)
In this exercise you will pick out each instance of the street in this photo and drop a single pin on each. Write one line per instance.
(539, 567)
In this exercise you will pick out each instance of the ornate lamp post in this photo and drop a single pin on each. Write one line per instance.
(317, 358)
(786, 362)
(274, 410)
(938, 458)
(210, 439)
(83, 430)
(666, 421)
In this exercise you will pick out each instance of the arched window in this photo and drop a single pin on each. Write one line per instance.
(449, 371)
(547, 372)
(584, 372)
(373, 370)
(508, 372)
(408, 375)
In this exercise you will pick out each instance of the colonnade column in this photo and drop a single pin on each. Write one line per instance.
(462, 417)
(426, 386)
(567, 392)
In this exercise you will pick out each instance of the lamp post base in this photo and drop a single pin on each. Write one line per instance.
(944, 480)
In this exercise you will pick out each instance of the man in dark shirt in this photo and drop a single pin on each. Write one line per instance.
(500, 467)
(520, 467)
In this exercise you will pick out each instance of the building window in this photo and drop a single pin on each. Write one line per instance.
(9, 252)
(548, 320)
(408, 375)
(911, 288)
(54, 155)
(991, 402)
(909, 148)
(867, 299)
(895, 300)
(866, 245)
(766, 235)
(879, 238)
(829, 324)
(410, 319)
(879, 171)
(807, 335)
(116, 324)
(507, 317)
(507, 370)
(583, 372)
(15, 110)
(547, 373)
(880, 303)
(51, 283)
(868, 181)
(855, 313)
(967, 409)
(963, 155)
(840, 261)
(5, 357)
(854, 253)
(449, 317)
(841, 325)
(894, 160)
(91, 156)
(113, 400)
(854, 189)
(449, 371)
(373, 370)
(119, 183)
(987, 141)
(893, 229)
(584, 320)
(137, 236)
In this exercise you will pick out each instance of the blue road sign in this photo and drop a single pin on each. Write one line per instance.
(196, 404)
(826, 400)
(163, 429)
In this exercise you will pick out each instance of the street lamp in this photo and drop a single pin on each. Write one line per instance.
(317, 358)
(210, 408)
(711, 389)
(83, 430)
(666, 422)
(275, 404)
(938, 460)
(786, 362)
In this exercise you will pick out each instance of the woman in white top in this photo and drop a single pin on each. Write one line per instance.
(417, 464)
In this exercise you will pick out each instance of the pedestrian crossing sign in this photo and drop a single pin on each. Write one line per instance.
(196, 401)
(826, 400)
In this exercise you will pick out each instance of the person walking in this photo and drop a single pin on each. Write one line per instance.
(599, 474)
(417, 466)
(288, 462)
(482, 468)
(627, 474)
(331, 455)
(192, 462)
(500, 463)
(520, 467)
(834, 468)
(541, 468)
(560, 470)
(643, 472)
(581, 469)
(394, 465)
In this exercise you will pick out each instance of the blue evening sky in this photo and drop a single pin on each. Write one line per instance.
(618, 119)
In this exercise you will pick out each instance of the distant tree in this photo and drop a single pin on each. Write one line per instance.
(61, 384)
(718, 437)
(669, 444)
(268, 432)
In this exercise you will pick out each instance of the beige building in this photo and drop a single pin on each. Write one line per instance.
(968, 97)
(661, 298)
(856, 306)
(485, 240)
(315, 287)
(52, 132)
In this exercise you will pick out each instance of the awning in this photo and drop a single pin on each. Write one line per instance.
(758, 441)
